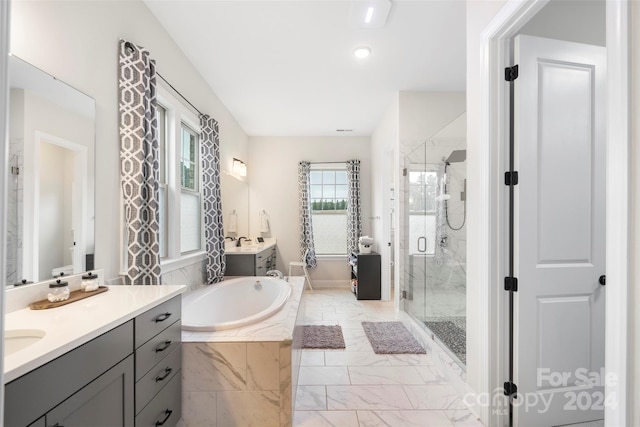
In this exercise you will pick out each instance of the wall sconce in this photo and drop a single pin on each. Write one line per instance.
(239, 167)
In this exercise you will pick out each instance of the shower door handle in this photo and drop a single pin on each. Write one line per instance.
(424, 240)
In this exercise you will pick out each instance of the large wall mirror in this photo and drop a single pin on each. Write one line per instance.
(235, 205)
(50, 214)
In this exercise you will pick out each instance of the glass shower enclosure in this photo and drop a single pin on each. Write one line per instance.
(434, 213)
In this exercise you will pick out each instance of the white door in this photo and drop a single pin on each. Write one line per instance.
(560, 231)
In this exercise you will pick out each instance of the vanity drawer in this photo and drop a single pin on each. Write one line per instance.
(166, 409)
(153, 321)
(157, 348)
(157, 378)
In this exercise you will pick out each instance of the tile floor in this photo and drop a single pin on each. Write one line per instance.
(356, 387)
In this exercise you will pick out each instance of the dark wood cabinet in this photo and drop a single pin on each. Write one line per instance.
(365, 269)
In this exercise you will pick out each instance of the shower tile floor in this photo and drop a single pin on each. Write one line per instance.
(356, 387)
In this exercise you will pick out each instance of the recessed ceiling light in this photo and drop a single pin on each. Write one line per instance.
(362, 52)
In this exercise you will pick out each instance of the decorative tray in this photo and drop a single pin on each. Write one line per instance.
(73, 297)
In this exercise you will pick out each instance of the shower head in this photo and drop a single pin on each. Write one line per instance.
(457, 156)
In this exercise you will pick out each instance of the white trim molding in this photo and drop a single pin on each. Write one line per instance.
(5, 18)
(495, 54)
(618, 208)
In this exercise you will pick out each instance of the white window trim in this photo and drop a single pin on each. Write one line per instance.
(330, 167)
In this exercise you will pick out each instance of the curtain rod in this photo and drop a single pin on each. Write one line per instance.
(326, 163)
(131, 47)
(178, 92)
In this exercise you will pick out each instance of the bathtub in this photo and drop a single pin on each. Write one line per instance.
(233, 303)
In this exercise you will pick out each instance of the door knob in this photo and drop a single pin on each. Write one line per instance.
(602, 280)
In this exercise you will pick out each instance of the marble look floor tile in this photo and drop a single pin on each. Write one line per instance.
(410, 359)
(403, 418)
(463, 418)
(356, 358)
(374, 397)
(400, 375)
(358, 344)
(434, 396)
(431, 374)
(322, 375)
(311, 398)
(325, 419)
(312, 358)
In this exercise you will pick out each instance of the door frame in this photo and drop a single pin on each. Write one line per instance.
(495, 54)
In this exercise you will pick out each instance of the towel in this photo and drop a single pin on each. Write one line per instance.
(232, 227)
(264, 222)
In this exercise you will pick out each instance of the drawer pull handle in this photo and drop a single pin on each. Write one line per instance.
(164, 346)
(163, 317)
(167, 414)
(167, 371)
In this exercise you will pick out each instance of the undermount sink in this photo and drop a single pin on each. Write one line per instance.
(19, 339)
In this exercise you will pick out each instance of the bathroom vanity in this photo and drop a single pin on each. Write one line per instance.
(250, 260)
(112, 359)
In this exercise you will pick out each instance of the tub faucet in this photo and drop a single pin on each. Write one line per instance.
(230, 238)
(275, 273)
(239, 243)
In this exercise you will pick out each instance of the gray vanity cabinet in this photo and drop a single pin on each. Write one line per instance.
(248, 264)
(80, 377)
(106, 401)
(158, 365)
(128, 376)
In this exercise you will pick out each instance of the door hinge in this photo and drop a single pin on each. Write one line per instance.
(511, 178)
(15, 170)
(403, 295)
(404, 172)
(511, 284)
(510, 389)
(511, 73)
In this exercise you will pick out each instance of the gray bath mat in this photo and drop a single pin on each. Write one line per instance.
(322, 336)
(391, 338)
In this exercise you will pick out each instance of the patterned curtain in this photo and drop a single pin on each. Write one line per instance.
(139, 164)
(354, 223)
(442, 235)
(306, 226)
(213, 231)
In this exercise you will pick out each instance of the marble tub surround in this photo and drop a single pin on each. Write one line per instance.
(356, 387)
(244, 376)
(69, 326)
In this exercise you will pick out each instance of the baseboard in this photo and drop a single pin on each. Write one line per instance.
(330, 284)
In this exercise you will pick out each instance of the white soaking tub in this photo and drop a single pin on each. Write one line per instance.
(234, 303)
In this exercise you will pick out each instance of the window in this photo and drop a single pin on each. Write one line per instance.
(179, 178)
(329, 195)
(190, 237)
(422, 210)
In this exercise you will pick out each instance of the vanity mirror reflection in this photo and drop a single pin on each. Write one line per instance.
(235, 205)
(50, 205)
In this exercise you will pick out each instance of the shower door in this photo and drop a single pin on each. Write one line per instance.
(419, 209)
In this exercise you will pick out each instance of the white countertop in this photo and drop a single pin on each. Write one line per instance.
(74, 324)
(248, 247)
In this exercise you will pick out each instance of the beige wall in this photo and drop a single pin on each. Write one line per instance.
(77, 42)
(273, 171)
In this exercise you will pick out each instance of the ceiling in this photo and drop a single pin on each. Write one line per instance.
(286, 68)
